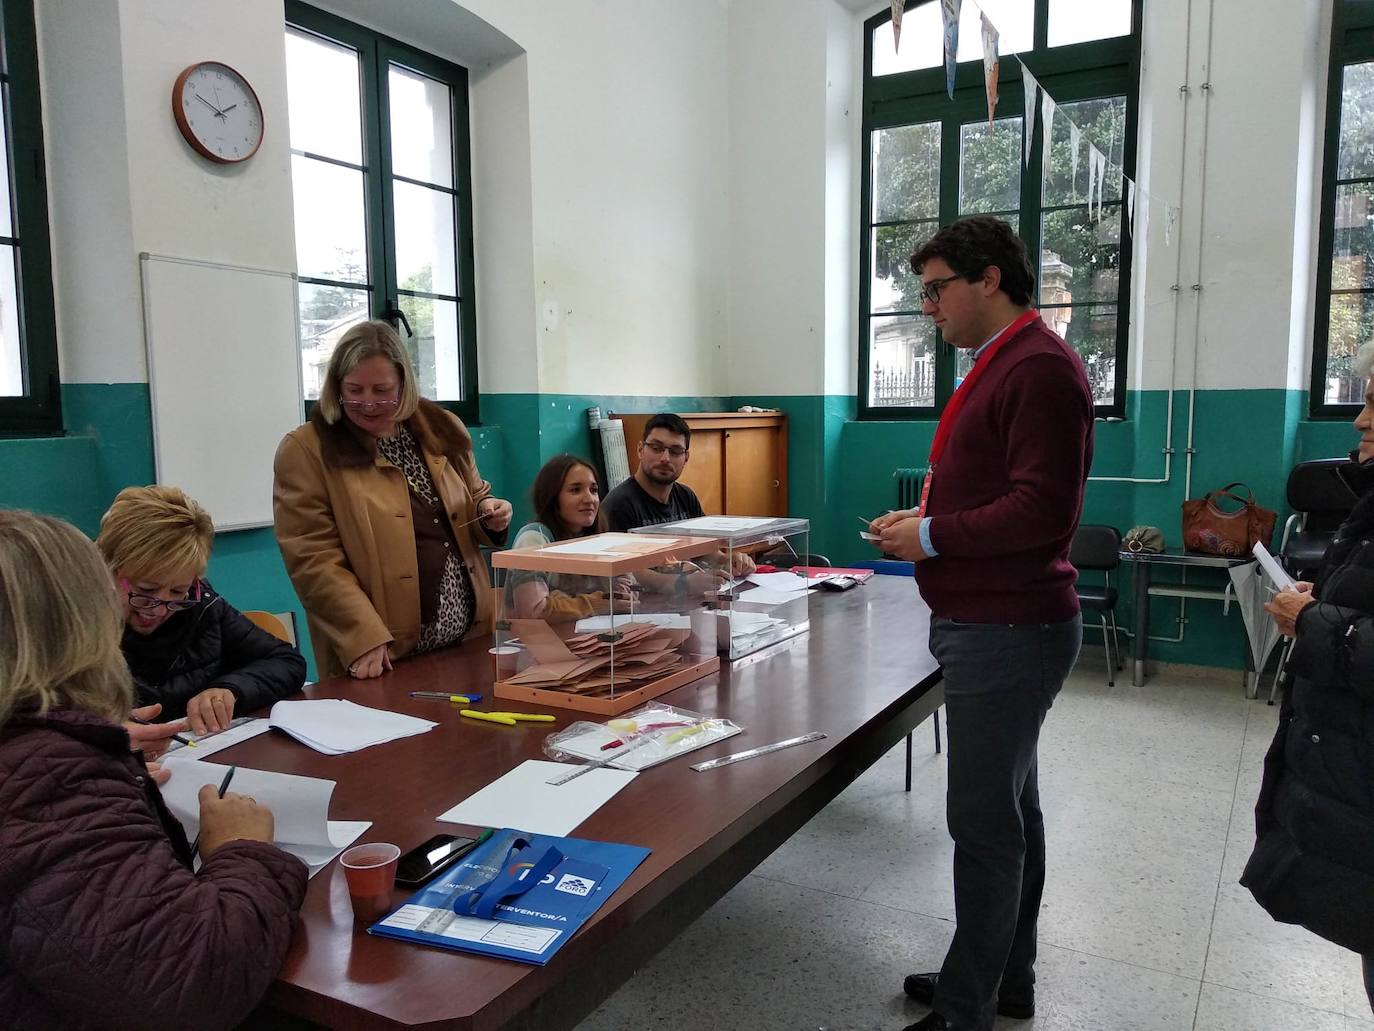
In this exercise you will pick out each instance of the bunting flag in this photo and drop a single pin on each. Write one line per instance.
(1075, 142)
(1092, 177)
(1029, 81)
(1047, 109)
(949, 11)
(898, 8)
(990, 65)
(1130, 203)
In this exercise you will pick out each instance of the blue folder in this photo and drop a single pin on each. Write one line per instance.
(489, 904)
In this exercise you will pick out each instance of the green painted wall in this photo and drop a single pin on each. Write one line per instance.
(839, 470)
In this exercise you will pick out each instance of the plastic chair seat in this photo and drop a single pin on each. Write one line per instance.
(1097, 599)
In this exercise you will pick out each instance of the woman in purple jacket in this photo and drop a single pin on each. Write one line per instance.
(102, 921)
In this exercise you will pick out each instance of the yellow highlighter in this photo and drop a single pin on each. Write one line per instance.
(490, 717)
(528, 717)
(683, 734)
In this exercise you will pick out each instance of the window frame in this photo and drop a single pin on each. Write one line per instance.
(37, 412)
(1073, 72)
(1352, 42)
(377, 52)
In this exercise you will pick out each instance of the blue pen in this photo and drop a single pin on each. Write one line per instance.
(448, 696)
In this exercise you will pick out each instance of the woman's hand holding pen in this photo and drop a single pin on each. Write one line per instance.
(495, 513)
(231, 818)
(152, 738)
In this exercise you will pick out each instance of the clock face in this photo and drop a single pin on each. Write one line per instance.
(218, 112)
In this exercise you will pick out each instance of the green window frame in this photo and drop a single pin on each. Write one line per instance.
(1345, 291)
(413, 302)
(37, 409)
(1072, 73)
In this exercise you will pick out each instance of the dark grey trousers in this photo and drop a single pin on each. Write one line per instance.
(999, 682)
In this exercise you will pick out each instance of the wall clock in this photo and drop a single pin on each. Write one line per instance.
(218, 112)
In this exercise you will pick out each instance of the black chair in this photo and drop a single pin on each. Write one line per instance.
(1320, 499)
(1097, 548)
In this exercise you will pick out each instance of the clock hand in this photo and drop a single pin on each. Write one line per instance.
(208, 104)
(227, 110)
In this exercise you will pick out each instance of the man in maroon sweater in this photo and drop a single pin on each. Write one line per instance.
(991, 546)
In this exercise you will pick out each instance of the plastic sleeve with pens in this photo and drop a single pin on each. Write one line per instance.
(658, 732)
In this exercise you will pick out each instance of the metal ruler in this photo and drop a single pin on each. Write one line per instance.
(559, 779)
(777, 746)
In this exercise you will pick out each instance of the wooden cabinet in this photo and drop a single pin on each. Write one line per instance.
(738, 463)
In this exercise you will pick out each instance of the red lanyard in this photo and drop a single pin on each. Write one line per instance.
(960, 397)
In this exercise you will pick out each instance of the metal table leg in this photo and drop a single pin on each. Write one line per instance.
(1140, 575)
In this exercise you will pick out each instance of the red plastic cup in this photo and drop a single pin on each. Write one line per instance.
(507, 659)
(371, 871)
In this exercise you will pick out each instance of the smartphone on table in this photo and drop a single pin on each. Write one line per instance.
(424, 862)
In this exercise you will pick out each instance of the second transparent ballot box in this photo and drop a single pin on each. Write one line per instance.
(753, 582)
(598, 623)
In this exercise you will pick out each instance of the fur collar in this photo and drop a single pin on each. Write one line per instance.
(437, 431)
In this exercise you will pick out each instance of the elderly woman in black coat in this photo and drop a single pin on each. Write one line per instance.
(1313, 862)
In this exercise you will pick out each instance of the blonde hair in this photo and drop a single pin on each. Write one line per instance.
(361, 342)
(156, 533)
(60, 622)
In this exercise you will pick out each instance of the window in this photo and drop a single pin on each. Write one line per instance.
(1345, 269)
(929, 159)
(29, 391)
(382, 182)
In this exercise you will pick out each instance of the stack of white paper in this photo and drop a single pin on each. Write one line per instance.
(300, 807)
(666, 620)
(334, 726)
(783, 582)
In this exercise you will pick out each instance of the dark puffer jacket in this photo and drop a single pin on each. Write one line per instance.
(1313, 862)
(102, 922)
(211, 645)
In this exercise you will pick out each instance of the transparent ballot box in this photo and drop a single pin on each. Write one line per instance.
(750, 610)
(599, 623)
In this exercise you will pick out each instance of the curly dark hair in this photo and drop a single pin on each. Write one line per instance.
(969, 245)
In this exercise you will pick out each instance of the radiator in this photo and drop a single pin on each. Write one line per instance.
(613, 452)
(908, 486)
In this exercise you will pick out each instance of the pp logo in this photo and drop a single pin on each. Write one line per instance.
(574, 885)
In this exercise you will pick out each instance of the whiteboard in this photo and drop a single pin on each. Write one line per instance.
(224, 374)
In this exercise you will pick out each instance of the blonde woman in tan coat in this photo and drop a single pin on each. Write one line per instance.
(379, 512)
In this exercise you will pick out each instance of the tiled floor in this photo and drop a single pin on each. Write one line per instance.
(1148, 795)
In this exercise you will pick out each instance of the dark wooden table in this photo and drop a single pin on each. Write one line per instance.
(863, 675)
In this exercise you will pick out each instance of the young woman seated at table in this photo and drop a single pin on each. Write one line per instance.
(188, 649)
(567, 504)
(102, 922)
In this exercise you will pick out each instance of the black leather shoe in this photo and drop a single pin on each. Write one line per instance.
(921, 987)
(931, 1022)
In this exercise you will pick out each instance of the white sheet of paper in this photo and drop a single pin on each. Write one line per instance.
(666, 620)
(523, 799)
(865, 535)
(724, 524)
(240, 730)
(770, 597)
(1271, 566)
(783, 582)
(300, 807)
(607, 544)
(335, 726)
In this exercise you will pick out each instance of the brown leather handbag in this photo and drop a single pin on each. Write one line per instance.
(1210, 529)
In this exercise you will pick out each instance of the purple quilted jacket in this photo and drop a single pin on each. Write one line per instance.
(102, 922)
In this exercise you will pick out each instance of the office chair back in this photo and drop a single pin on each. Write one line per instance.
(274, 625)
(1096, 547)
(1320, 494)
